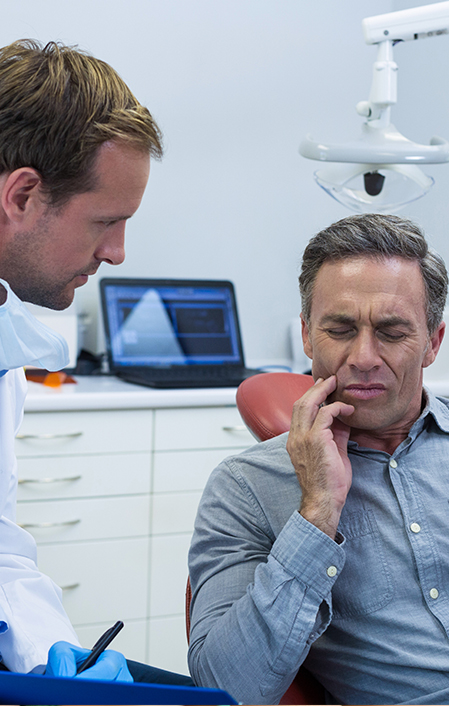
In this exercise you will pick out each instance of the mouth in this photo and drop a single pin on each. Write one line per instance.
(84, 276)
(365, 392)
(89, 273)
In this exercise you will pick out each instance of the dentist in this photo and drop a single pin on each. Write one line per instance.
(75, 149)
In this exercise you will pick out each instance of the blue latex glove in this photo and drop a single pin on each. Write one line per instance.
(64, 659)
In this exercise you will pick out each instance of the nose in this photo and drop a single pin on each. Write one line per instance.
(112, 248)
(364, 354)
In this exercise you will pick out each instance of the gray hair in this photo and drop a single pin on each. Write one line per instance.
(378, 236)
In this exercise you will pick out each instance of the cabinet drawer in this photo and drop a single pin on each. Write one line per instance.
(168, 574)
(59, 477)
(109, 579)
(73, 520)
(57, 433)
(186, 470)
(168, 644)
(199, 428)
(174, 512)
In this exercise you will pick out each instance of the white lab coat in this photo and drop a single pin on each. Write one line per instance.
(31, 614)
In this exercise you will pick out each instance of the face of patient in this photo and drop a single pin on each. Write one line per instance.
(368, 327)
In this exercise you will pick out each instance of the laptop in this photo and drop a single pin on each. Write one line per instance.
(173, 333)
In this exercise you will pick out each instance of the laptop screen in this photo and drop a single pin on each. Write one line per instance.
(170, 322)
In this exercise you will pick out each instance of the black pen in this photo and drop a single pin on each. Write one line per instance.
(100, 646)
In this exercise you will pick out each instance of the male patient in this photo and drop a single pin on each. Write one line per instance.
(329, 545)
(75, 149)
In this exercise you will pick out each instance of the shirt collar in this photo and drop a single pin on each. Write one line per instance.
(438, 408)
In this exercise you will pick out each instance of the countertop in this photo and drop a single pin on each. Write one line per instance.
(111, 393)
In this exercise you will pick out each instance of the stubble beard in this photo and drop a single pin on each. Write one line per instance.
(19, 266)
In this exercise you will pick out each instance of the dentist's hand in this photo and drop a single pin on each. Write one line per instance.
(64, 659)
(317, 445)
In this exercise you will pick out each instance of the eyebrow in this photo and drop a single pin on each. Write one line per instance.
(396, 321)
(344, 319)
(337, 319)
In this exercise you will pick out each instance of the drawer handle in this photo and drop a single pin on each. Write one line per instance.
(44, 525)
(70, 586)
(67, 435)
(48, 480)
(237, 427)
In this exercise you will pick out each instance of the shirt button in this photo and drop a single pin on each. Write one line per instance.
(332, 571)
(393, 463)
(415, 527)
(434, 593)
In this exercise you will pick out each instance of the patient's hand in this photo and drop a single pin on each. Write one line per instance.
(317, 445)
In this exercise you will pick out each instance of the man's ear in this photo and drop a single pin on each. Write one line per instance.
(21, 195)
(305, 338)
(434, 345)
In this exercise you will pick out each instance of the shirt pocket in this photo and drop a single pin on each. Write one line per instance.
(364, 584)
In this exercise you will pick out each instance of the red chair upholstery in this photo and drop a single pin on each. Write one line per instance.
(265, 403)
(188, 601)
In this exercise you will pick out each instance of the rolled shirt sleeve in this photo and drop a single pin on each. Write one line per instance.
(261, 583)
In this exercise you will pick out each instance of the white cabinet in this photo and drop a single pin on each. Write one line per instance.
(55, 433)
(188, 444)
(110, 496)
(199, 428)
(84, 494)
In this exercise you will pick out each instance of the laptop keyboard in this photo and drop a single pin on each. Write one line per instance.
(195, 376)
(188, 373)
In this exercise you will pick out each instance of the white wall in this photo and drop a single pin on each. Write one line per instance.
(421, 112)
(235, 85)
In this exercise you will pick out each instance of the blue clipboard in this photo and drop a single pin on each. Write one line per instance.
(36, 689)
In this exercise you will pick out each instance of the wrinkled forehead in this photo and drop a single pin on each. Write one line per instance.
(387, 287)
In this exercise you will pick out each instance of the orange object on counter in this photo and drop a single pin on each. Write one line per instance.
(49, 379)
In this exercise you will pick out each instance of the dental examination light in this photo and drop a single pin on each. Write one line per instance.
(379, 170)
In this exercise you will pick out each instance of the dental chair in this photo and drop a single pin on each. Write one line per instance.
(265, 403)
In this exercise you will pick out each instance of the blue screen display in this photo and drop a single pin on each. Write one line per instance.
(171, 325)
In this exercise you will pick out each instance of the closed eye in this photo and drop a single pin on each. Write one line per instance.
(109, 222)
(391, 335)
(340, 332)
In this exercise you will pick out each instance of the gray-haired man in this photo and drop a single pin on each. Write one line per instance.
(330, 545)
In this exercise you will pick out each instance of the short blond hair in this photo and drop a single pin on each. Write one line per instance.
(58, 105)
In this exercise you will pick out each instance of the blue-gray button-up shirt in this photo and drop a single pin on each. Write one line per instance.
(369, 613)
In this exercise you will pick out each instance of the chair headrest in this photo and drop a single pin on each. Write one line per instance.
(265, 402)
